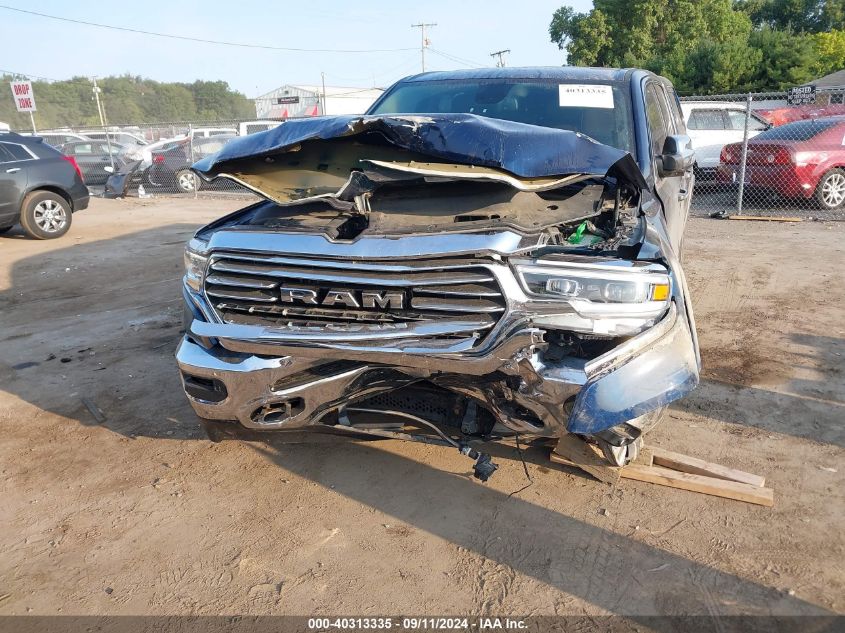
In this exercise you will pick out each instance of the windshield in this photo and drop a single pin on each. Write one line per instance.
(601, 111)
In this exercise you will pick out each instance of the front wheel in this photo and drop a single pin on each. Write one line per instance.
(186, 181)
(621, 455)
(45, 215)
(830, 192)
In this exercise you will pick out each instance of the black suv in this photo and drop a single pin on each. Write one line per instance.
(39, 187)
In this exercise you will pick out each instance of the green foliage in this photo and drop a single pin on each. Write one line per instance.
(810, 16)
(829, 52)
(127, 99)
(787, 59)
(708, 46)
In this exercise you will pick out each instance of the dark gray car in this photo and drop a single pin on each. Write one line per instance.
(39, 187)
(96, 159)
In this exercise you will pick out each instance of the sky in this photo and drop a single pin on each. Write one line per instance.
(467, 31)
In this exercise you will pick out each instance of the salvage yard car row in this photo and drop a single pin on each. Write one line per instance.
(100, 154)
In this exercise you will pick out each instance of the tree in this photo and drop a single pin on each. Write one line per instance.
(787, 59)
(802, 16)
(828, 52)
(707, 46)
(718, 68)
(586, 37)
(127, 99)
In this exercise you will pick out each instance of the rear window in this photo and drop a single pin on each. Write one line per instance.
(798, 131)
(601, 111)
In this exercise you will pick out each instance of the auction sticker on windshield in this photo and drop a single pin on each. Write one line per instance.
(585, 96)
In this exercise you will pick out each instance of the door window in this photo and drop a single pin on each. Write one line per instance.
(657, 124)
(707, 120)
(675, 109)
(18, 152)
(5, 156)
(81, 149)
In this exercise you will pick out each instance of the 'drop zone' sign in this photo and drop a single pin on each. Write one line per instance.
(24, 97)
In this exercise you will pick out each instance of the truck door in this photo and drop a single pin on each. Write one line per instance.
(674, 191)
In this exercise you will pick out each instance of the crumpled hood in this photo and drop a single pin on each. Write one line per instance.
(526, 151)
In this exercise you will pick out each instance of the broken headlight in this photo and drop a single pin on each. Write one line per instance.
(615, 297)
(195, 261)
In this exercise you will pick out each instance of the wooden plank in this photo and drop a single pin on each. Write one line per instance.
(695, 466)
(764, 218)
(700, 483)
(573, 451)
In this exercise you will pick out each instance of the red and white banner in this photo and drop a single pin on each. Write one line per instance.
(24, 96)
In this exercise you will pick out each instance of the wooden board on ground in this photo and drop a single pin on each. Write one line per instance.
(695, 466)
(765, 218)
(573, 451)
(685, 472)
(700, 483)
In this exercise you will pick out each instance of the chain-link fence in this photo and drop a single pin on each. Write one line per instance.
(757, 154)
(151, 159)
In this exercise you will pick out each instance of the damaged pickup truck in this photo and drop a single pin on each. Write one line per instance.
(484, 254)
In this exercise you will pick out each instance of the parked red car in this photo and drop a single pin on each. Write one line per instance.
(803, 159)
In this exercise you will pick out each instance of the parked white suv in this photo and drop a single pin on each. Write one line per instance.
(713, 124)
(251, 127)
(207, 132)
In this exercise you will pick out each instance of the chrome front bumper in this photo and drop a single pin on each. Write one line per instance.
(259, 371)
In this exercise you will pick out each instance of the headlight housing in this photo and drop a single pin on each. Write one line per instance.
(196, 259)
(612, 297)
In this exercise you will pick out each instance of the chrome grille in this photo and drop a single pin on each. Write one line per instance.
(284, 291)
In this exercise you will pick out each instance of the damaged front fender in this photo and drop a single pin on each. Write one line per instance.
(651, 370)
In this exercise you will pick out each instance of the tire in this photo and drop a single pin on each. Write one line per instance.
(186, 181)
(45, 215)
(147, 178)
(830, 192)
(621, 455)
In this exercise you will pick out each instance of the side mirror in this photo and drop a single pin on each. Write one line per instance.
(677, 157)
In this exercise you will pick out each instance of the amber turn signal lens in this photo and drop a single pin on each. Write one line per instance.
(660, 292)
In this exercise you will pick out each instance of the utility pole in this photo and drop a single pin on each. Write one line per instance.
(323, 77)
(101, 110)
(97, 92)
(423, 41)
(501, 56)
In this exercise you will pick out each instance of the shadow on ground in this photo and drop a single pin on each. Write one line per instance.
(97, 323)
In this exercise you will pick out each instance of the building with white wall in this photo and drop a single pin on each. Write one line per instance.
(303, 100)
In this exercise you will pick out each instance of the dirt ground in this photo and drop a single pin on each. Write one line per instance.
(141, 514)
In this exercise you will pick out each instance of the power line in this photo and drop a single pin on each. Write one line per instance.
(204, 41)
(405, 64)
(465, 62)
